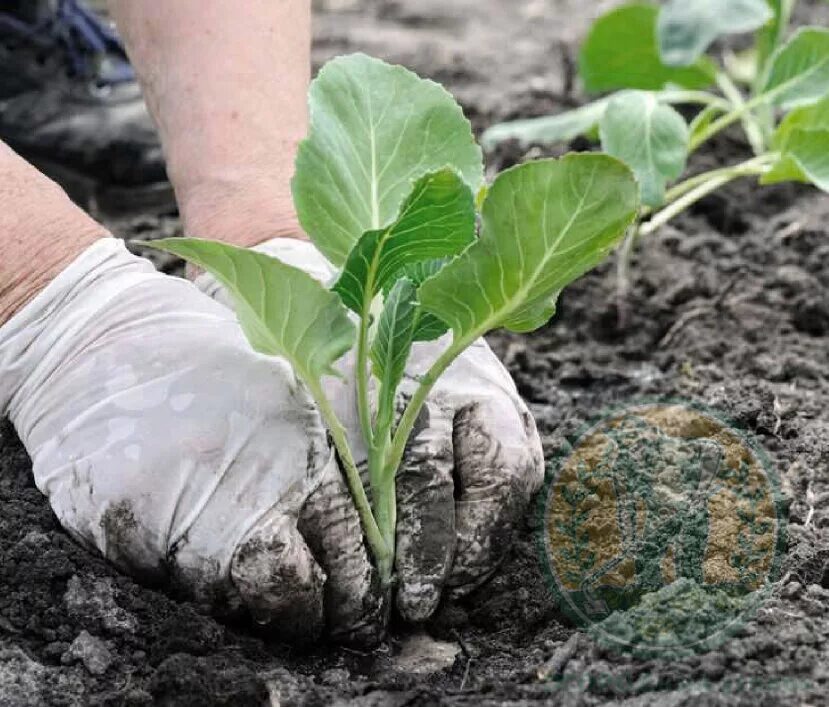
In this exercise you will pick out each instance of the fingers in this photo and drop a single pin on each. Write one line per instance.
(499, 465)
(425, 514)
(279, 581)
(355, 609)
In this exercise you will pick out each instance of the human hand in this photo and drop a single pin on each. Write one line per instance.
(163, 441)
(470, 467)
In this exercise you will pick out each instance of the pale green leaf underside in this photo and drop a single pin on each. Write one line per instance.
(651, 138)
(393, 340)
(799, 71)
(544, 223)
(813, 117)
(375, 129)
(804, 159)
(548, 129)
(283, 310)
(686, 28)
(621, 52)
(436, 220)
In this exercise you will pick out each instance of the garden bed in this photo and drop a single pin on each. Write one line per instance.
(729, 308)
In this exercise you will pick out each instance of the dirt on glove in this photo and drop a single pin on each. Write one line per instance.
(728, 308)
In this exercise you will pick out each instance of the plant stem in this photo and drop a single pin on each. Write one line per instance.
(623, 260)
(692, 190)
(427, 382)
(382, 477)
(383, 553)
(363, 402)
(384, 493)
(752, 128)
(747, 168)
(724, 121)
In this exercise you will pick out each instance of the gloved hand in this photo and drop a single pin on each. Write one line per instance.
(165, 442)
(470, 468)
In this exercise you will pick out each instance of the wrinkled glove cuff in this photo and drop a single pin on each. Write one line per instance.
(42, 336)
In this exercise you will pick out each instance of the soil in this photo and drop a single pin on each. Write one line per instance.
(728, 307)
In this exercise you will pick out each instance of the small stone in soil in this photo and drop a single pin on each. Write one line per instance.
(94, 601)
(334, 677)
(421, 654)
(91, 651)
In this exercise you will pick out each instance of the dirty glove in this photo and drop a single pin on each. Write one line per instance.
(165, 442)
(472, 463)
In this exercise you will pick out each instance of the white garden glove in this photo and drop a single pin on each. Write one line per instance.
(165, 442)
(472, 463)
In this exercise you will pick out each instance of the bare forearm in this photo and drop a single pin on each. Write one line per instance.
(41, 232)
(227, 86)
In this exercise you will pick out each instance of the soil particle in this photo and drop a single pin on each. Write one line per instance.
(421, 654)
(91, 651)
(92, 602)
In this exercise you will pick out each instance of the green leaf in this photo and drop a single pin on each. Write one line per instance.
(419, 272)
(427, 326)
(804, 159)
(651, 138)
(392, 343)
(534, 314)
(621, 52)
(544, 223)
(813, 117)
(375, 130)
(562, 127)
(283, 310)
(437, 220)
(798, 72)
(686, 28)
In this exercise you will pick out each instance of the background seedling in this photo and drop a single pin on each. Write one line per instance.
(387, 186)
(655, 57)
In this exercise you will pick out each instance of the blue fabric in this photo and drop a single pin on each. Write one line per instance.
(84, 36)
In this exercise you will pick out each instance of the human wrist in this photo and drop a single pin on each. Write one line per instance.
(41, 232)
(242, 210)
(34, 257)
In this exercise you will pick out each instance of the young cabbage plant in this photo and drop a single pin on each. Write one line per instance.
(387, 186)
(655, 57)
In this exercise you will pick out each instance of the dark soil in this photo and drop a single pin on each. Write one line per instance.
(729, 307)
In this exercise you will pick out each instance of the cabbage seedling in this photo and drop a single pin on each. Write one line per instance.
(657, 56)
(388, 185)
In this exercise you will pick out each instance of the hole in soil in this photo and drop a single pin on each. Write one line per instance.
(721, 214)
(811, 316)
